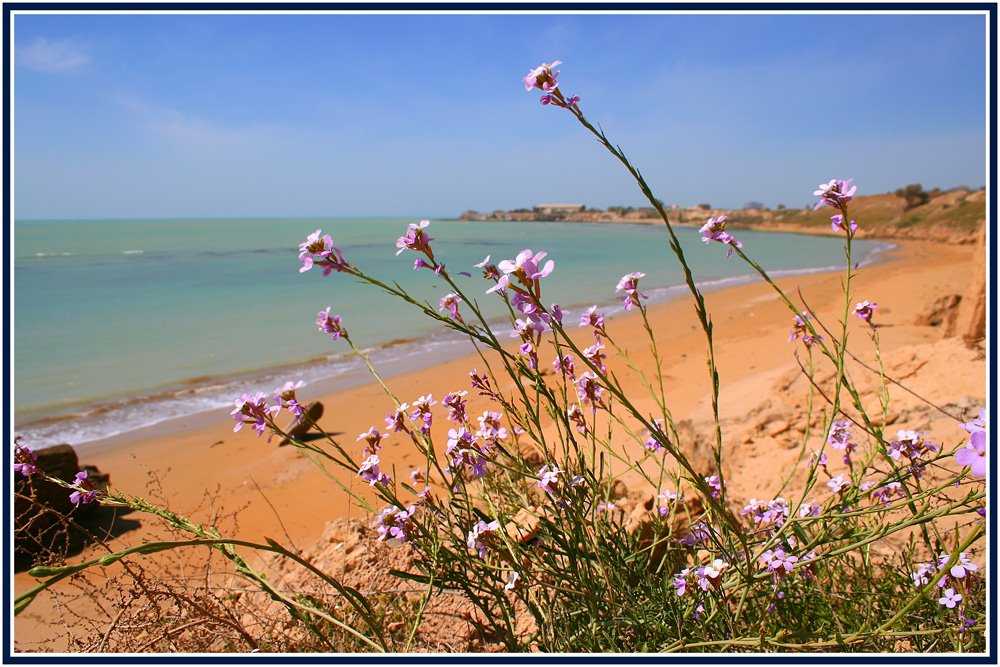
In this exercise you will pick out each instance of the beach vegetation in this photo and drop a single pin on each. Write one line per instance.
(874, 543)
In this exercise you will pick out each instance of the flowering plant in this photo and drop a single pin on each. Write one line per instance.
(516, 510)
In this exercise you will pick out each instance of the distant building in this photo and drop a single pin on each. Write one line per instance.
(550, 209)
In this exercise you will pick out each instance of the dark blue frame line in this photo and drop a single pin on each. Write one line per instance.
(225, 659)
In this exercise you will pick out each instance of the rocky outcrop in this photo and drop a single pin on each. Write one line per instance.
(41, 506)
(972, 316)
(941, 311)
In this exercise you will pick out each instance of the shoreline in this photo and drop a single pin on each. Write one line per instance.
(184, 404)
(149, 445)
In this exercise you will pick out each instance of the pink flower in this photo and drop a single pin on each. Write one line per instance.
(253, 409)
(592, 318)
(548, 479)
(24, 460)
(656, 437)
(330, 325)
(800, 327)
(595, 355)
(319, 250)
(455, 402)
(575, 415)
(666, 498)
(542, 77)
(589, 390)
(865, 310)
(479, 536)
(836, 193)
(525, 267)
(778, 562)
(450, 302)
(714, 483)
(839, 483)
(285, 395)
(629, 284)
(374, 439)
(370, 473)
(973, 454)
(715, 230)
(416, 239)
(84, 492)
(395, 524)
(950, 598)
(837, 224)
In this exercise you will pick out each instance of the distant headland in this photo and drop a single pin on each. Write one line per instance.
(952, 215)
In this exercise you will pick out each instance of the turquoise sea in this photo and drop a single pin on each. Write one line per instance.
(120, 324)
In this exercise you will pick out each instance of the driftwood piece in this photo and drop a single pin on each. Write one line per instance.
(296, 429)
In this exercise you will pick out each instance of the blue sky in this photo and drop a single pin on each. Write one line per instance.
(391, 115)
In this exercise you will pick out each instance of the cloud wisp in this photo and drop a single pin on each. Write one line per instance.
(52, 55)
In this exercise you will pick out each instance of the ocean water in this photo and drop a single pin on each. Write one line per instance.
(120, 324)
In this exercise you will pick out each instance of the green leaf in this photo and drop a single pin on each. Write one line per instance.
(419, 578)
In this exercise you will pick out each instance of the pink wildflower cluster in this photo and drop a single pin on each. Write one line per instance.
(552, 480)
(657, 436)
(83, 491)
(840, 438)
(522, 277)
(836, 194)
(778, 562)
(885, 493)
(912, 446)
(395, 524)
(973, 454)
(575, 415)
(543, 78)
(466, 453)
(700, 533)
(800, 328)
(481, 536)
(25, 460)
(629, 284)
(369, 471)
(285, 396)
(840, 484)
(253, 409)
(373, 438)
(422, 414)
(714, 483)
(330, 325)
(318, 250)
(592, 318)
(416, 239)
(455, 402)
(958, 575)
(715, 230)
(865, 310)
(589, 390)
(666, 500)
(450, 303)
(471, 450)
(704, 577)
(766, 515)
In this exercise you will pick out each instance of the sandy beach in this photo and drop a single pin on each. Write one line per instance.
(282, 495)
